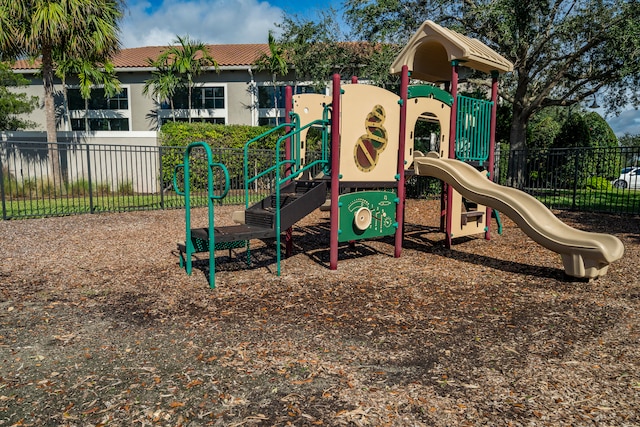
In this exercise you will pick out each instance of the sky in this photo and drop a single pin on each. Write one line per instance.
(157, 22)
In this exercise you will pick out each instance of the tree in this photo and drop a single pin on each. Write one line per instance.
(309, 47)
(544, 127)
(563, 50)
(40, 28)
(90, 74)
(12, 103)
(628, 140)
(600, 133)
(163, 83)
(275, 64)
(317, 49)
(574, 133)
(188, 59)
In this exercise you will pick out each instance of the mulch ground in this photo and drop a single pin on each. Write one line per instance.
(100, 326)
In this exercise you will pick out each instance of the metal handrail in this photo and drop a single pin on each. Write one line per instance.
(211, 196)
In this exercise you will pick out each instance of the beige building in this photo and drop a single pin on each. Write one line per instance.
(234, 95)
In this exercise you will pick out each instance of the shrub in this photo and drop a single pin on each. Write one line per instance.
(598, 183)
(125, 188)
(177, 135)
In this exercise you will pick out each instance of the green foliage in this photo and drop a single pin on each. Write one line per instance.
(317, 49)
(423, 187)
(12, 103)
(220, 138)
(573, 133)
(600, 133)
(628, 140)
(543, 130)
(599, 183)
(503, 164)
(576, 167)
(176, 68)
(181, 134)
(561, 50)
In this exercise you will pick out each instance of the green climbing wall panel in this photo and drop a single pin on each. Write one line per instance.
(366, 214)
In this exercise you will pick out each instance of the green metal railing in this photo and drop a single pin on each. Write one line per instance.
(211, 196)
(284, 170)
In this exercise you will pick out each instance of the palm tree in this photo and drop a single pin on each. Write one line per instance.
(88, 28)
(189, 58)
(163, 83)
(275, 64)
(90, 74)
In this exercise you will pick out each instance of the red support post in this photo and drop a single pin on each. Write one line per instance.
(335, 172)
(404, 95)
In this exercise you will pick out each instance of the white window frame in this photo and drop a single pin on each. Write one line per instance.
(270, 113)
(102, 114)
(199, 113)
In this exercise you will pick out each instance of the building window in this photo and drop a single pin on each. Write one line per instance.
(266, 98)
(268, 115)
(212, 97)
(206, 97)
(270, 121)
(99, 112)
(98, 100)
(114, 124)
(214, 120)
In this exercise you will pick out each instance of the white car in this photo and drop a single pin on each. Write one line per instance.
(629, 178)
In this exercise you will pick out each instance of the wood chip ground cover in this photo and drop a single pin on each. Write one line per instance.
(100, 326)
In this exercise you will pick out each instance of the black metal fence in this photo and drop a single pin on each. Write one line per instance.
(583, 179)
(107, 178)
(115, 178)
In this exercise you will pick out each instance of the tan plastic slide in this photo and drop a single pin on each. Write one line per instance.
(584, 254)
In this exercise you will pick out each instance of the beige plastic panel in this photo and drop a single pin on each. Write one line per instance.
(309, 107)
(369, 115)
(473, 226)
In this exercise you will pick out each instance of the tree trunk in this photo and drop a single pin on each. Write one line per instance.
(55, 171)
(190, 90)
(65, 97)
(518, 143)
(86, 116)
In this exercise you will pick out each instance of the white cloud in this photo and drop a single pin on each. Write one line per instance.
(209, 21)
(627, 122)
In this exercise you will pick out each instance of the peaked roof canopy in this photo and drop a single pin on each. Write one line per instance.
(430, 51)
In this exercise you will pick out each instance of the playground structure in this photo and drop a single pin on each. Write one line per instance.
(367, 150)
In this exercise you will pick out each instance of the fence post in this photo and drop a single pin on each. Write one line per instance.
(4, 203)
(575, 179)
(89, 179)
(160, 182)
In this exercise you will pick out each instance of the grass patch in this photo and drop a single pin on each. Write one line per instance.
(610, 200)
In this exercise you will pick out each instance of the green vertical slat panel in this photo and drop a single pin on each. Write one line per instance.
(473, 129)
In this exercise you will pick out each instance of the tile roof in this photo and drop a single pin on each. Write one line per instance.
(227, 55)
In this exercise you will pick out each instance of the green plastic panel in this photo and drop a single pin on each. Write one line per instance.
(473, 129)
(426, 91)
(380, 204)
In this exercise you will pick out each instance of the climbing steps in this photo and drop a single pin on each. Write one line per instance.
(297, 200)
